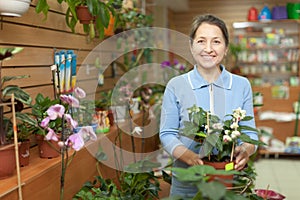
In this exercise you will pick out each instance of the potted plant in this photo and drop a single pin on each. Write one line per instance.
(131, 184)
(21, 97)
(100, 12)
(14, 8)
(131, 17)
(104, 104)
(218, 139)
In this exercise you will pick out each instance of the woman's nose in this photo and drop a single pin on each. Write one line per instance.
(207, 47)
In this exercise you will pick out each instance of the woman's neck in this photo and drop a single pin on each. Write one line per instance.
(210, 75)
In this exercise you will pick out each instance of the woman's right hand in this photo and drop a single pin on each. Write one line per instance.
(185, 155)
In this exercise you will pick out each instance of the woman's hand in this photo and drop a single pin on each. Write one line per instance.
(189, 157)
(242, 154)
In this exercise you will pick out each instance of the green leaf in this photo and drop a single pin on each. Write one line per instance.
(211, 141)
(246, 138)
(193, 174)
(247, 118)
(208, 190)
(19, 93)
(26, 118)
(42, 6)
(10, 78)
(190, 129)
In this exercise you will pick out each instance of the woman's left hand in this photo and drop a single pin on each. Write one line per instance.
(242, 154)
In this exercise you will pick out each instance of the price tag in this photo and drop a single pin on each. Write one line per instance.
(229, 166)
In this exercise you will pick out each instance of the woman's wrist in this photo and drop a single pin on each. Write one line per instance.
(249, 148)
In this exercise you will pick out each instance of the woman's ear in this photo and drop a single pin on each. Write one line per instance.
(191, 47)
(226, 51)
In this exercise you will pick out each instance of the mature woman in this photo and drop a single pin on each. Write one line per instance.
(210, 86)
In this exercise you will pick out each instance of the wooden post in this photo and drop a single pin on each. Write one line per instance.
(16, 146)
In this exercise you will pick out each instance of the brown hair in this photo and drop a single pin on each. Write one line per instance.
(210, 19)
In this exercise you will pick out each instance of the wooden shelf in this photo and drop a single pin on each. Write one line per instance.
(41, 178)
(268, 154)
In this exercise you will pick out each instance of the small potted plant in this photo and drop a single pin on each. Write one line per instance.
(100, 14)
(6, 144)
(218, 139)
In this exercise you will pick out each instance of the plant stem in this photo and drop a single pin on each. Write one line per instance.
(232, 150)
(63, 167)
(2, 131)
(207, 122)
(131, 134)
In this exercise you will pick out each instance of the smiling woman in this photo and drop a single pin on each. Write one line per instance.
(209, 86)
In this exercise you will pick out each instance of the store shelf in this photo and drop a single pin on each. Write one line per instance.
(269, 48)
(276, 154)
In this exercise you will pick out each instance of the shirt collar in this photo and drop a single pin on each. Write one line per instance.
(196, 80)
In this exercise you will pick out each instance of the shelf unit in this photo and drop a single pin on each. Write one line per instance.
(269, 58)
(269, 51)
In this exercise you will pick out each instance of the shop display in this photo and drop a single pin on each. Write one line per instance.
(270, 51)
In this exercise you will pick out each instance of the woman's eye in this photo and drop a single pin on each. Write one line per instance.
(217, 42)
(200, 41)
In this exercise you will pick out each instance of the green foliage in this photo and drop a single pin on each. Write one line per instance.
(6, 92)
(134, 185)
(38, 113)
(101, 10)
(214, 190)
(211, 133)
(104, 102)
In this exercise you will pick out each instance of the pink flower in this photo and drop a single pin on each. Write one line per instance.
(45, 122)
(76, 141)
(72, 101)
(269, 194)
(71, 121)
(87, 132)
(51, 135)
(80, 93)
(55, 111)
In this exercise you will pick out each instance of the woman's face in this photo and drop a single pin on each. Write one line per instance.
(208, 47)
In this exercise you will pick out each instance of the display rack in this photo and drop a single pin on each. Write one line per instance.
(269, 51)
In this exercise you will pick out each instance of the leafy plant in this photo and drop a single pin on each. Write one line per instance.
(104, 101)
(133, 186)
(21, 96)
(102, 11)
(207, 129)
(198, 176)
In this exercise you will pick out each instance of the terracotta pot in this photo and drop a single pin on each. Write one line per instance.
(224, 179)
(24, 153)
(84, 15)
(7, 161)
(47, 148)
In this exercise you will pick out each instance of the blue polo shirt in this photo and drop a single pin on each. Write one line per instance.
(227, 93)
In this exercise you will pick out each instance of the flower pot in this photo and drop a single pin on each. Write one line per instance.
(84, 15)
(226, 180)
(7, 161)
(14, 8)
(47, 148)
(24, 153)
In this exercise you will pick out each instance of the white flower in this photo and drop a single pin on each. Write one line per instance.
(227, 138)
(235, 134)
(239, 114)
(138, 130)
(227, 132)
(234, 125)
(217, 126)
